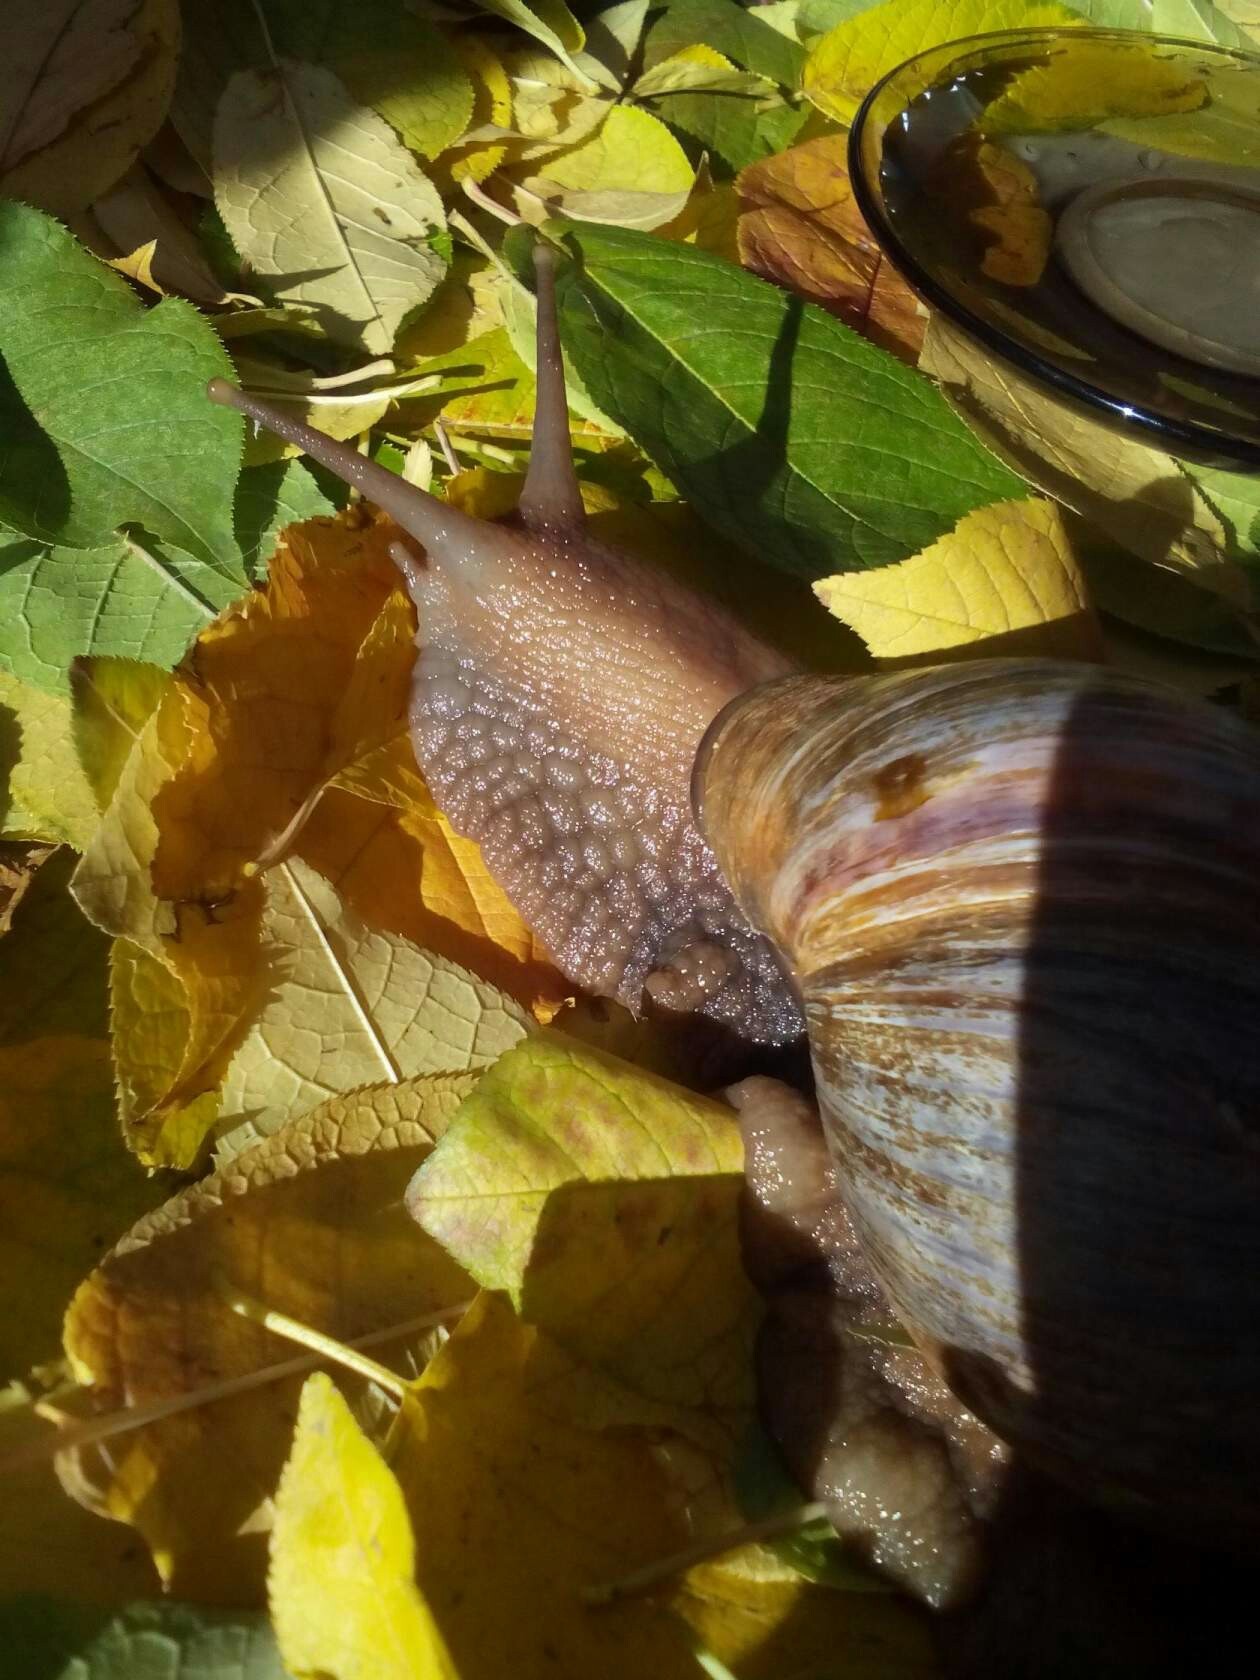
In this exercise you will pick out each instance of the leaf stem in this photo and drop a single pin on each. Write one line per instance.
(88, 1432)
(327, 1347)
(713, 1545)
(491, 205)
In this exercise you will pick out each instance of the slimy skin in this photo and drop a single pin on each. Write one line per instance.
(561, 690)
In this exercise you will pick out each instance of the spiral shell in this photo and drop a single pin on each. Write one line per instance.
(1021, 901)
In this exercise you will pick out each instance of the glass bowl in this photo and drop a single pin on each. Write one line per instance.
(1086, 204)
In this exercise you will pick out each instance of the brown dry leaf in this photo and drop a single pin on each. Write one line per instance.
(310, 1221)
(801, 228)
(19, 862)
(84, 84)
(1137, 495)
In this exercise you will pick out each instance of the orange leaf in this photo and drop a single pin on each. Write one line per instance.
(802, 229)
(281, 692)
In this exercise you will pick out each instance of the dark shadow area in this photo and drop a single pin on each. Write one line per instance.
(34, 489)
(1136, 1137)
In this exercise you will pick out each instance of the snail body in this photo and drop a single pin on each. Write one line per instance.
(1018, 903)
(1021, 901)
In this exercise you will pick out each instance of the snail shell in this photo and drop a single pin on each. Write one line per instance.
(1021, 901)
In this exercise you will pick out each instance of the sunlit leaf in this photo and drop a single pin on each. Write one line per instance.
(342, 1581)
(631, 172)
(788, 433)
(351, 1004)
(801, 227)
(44, 794)
(604, 1201)
(1138, 495)
(1004, 571)
(847, 62)
(311, 1221)
(318, 194)
(106, 419)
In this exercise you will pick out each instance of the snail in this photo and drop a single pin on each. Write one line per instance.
(1016, 904)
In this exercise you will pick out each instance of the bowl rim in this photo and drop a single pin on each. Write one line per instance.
(1200, 441)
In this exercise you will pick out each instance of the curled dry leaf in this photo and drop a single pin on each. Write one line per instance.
(310, 1221)
(231, 953)
(800, 226)
(1004, 581)
(84, 84)
(1139, 496)
(604, 1201)
(344, 1601)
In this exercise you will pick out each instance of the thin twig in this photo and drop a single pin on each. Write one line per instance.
(444, 444)
(491, 205)
(92, 1431)
(328, 1347)
(770, 1528)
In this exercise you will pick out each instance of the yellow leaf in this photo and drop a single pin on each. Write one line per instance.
(182, 1025)
(709, 219)
(349, 1005)
(67, 1184)
(605, 1201)
(516, 1513)
(394, 860)
(1082, 83)
(113, 699)
(492, 106)
(343, 1596)
(1136, 494)
(763, 1620)
(631, 172)
(802, 228)
(311, 1221)
(44, 793)
(1002, 570)
(88, 90)
(49, 1544)
(846, 63)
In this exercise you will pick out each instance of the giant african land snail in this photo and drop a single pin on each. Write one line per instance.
(1018, 903)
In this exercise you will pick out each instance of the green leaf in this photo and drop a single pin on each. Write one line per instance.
(1236, 497)
(103, 411)
(132, 599)
(731, 128)
(548, 21)
(389, 59)
(364, 44)
(787, 432)
(731, 30)
(322, 199)
(1197, 20)
(48, 1639)
(267, 499)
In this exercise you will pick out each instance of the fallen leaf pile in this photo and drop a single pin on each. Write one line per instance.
(383, 1294)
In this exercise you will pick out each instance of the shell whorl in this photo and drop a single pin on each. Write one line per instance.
(1022, 904)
